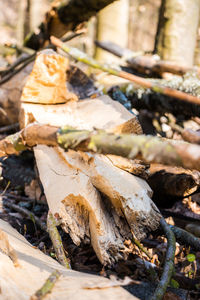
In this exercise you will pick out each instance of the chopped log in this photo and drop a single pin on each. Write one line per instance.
(75, 202)
(63, 16)
(101, 112)
(86, 114)
(134, 166)
(10, 92)
(34, 267)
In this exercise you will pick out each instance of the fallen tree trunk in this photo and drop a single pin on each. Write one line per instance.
(24, 270)
(64, 16)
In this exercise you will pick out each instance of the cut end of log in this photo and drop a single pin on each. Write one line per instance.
(47, 81)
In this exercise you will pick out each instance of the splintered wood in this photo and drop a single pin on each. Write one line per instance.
(95, 200)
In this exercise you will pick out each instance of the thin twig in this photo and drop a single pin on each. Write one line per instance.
(15, 71)
(26, 213)
(9, 128)
(47, 286)
(12, 70)
(18, 197)
(56, 240)
(81, 56)
(141, 247)
(186, 238)
(168, 268)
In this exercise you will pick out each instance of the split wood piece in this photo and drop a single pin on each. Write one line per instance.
(47, 82)
(64, 16)
(173, 181)
(74, 201)
(101, 113)
(145, 64)
(129, 195)
(20, 283)
(81, 56)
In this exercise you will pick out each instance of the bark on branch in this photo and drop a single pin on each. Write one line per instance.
(64, 16)
(148, 148)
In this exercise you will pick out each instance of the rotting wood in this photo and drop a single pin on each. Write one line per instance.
(36, 267)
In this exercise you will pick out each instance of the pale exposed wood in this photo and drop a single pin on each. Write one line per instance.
(101, 112)
(74, 200)
(20, 283)
(47, 81)
(129, 194)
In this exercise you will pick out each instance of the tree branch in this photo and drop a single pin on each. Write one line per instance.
(148, 148)
(64, 16)
(81, 56)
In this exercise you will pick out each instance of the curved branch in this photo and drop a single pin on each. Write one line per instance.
(169, 262)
